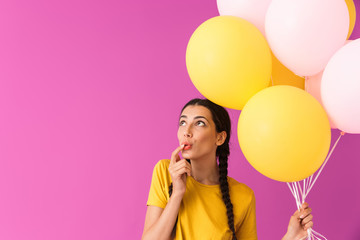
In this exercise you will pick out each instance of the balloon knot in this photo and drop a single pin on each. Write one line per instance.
(342, 133)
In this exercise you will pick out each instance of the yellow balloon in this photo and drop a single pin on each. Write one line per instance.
(281, 75)
(352, 13)
(284, 133)
(228, 60)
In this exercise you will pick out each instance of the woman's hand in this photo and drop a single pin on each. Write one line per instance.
(299, 223)
(179, 170)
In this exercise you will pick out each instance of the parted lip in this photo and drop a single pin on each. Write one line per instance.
(186, 143)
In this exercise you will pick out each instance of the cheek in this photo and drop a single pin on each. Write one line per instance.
(179, 134)
(206, 139)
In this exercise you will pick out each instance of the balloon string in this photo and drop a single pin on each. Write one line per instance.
(318, 234)
(309, 180)
(297, 190)
(294, 188)
(296, 195)
(322, 167)
(303, 192)
(291, 189)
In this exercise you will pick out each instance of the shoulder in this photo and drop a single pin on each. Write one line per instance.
(239, 186)
(240, 190)
(161, 169)
(162, 164)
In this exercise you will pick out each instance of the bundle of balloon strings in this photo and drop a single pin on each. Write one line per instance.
(301, 190)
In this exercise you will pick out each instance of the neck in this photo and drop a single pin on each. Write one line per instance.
(205, 170)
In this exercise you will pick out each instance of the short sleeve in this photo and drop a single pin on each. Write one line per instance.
(247, 229)
(159, 188)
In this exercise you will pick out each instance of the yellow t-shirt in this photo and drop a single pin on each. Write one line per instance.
(202, 213)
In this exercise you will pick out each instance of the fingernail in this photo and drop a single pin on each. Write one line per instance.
(302, 216)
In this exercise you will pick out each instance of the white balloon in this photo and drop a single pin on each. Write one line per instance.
(340, 88)
(253, 11)
(304, 34)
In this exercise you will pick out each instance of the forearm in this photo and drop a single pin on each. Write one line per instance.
(163, 227)
(285, 237)
(289, 236)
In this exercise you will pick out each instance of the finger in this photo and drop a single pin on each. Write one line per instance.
(307, 220)
(175, 154)
(181, 163)
(308, 225)
(177, 168)
(304, 205)
(297, 214)
(181, 171)
(305, 213)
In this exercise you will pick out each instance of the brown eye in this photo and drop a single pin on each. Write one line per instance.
(200, 123)
(182, 123)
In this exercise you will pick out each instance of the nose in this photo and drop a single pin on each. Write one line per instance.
(187, 132)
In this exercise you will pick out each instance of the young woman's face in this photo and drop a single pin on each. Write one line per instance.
(197, 131)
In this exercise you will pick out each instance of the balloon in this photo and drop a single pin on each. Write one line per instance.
(284, 133)
(252, 10)
(312, 86)
(352, 13)
(228, 60)
(304, 34)
(340, 88)
(282, 76)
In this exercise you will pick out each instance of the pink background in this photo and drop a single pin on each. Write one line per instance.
(90, 93)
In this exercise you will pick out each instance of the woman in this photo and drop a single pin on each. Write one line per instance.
(190, 198)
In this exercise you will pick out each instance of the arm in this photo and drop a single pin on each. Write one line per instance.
(247, 229)
(299, 223)
(159, 222)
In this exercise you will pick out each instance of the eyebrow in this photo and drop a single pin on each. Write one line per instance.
(184, 116)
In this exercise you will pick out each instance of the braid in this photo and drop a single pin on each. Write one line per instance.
(170, 193)
(223, 152)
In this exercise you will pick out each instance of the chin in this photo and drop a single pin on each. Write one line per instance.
(186, 155)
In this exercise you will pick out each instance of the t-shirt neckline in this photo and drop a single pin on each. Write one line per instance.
(203, 185)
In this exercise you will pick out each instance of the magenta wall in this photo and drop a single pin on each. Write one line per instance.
(90, 93)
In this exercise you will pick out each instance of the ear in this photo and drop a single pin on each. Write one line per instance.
(220, 138)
